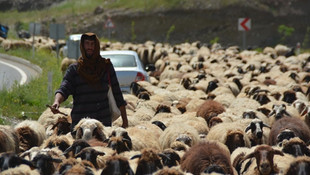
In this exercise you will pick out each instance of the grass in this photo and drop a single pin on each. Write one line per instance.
(32, 97)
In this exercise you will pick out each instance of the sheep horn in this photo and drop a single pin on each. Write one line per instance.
(271, 113)
(163, 156)
(136, 156)
(265, 125)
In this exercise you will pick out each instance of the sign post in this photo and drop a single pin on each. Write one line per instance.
(109, 25)
(244, 24)
(34, 29)
(57, 31)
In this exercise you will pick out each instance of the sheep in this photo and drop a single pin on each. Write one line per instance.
(8, 139)
(65, 63)
(45, 163)
(11, 160)
(88, 128)
(21, 170)
(208, 157)
(144, 137)
(300, 166)
(258, 134)
(296, 147)
(287, 126)
(171, 159)
(179, 132)
(76, 147)
(90, 154)
(62, 126)
(120, 144)
(117, 164)
(149, 161)
(210, 109)
(75, 166)
(230, 134)
(264, 155)
(62, 142)
(30, 133)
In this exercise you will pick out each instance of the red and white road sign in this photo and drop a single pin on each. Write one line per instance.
(244, 24)
(109, 23)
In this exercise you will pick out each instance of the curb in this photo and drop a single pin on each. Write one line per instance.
(22, 61)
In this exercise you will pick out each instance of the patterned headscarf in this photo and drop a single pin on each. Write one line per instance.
(91, 69)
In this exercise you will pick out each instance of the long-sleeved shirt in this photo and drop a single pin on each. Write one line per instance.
(89, 100)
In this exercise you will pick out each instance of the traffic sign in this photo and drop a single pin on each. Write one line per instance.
(244, 24)
(109, 23)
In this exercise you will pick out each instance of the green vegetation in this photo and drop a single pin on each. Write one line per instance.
(171, 30)
(32, 97)
(306, 42)
(215, 40)
(133, 33)
(285, 32)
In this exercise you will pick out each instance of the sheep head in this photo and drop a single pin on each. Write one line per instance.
(279, 111)
(88, 128)
(264, 159)
(120, 144)
(256, 127)
(296, 147)
(234, 139)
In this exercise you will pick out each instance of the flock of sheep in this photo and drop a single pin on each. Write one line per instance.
(206, 110)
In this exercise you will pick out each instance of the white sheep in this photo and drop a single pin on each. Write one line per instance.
(88, 128)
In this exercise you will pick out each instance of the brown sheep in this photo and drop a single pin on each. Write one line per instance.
(299, 166)
(117, 164)
(264, 159)
(207, 157)
(288, 126)
(209, 109)
(296, 147)
(8, 139)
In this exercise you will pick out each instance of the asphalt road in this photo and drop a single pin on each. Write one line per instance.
(12, 71)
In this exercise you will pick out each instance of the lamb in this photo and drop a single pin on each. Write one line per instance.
(88, 128)
(8, 139)
(208, 157)
(295, 127)
(30, 133)
(179, 132)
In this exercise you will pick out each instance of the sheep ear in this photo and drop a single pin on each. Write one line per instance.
(55, 125)
(27, 162)
(67, 150)
(248, 128)
(271, 113)
(278, 152)
(106, 140)
(135, 156)
(285, 112)
(267, 126)
(100, 153)
(73, 134)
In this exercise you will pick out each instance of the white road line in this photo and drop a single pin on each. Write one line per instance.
(22, 73)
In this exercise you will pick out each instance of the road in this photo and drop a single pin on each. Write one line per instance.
(12, 71)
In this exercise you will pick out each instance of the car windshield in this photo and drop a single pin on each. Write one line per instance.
(122, 60)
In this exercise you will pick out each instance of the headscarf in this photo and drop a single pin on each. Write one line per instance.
(91, 69)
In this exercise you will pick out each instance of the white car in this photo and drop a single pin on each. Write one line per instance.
(128, 67)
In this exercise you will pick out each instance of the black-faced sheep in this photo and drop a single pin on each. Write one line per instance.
(8, 139)
(62, 142)
(257, 136)
(88, 128)
(11, 160)
(30, 133)
(119, 144)
(288, 126)
(117, 165)
(90, 154)
(62, 125)
(45, 163)
(208, 157)
(149, 161)
(76, 147)
(279, 111)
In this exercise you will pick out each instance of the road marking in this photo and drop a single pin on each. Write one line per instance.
(21, 72)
